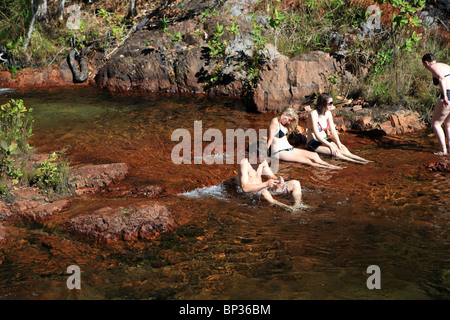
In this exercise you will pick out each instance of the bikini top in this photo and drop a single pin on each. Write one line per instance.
(436, 80)
(280, 134)
(320, 126)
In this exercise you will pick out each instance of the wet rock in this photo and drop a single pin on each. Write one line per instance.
(440, 166)
(86, 179)
(2, 235)
(37, 210)
(150, 191)
(391, 123)
(5, 211)
(144, 220)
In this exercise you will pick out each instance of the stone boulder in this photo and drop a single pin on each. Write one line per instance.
(390, 122)
(379, 120)
(288, 82)
(439, 166)
(151, 61)
(86, 179)
(58, 75)
(144, 220)
(2, 234)
(37, 210)
(5, 211)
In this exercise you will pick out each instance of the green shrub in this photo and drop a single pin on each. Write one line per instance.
(53, 174)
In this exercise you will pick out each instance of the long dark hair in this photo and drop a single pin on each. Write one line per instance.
(322, 102)
(428, 57)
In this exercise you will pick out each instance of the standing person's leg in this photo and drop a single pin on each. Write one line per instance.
(447, 129)
(439, 116)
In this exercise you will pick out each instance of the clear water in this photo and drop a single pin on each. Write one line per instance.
(392, 213)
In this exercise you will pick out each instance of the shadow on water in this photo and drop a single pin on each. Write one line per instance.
(392, 213)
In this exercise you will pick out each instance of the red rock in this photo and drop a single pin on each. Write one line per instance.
(5, 211)
(144, 220)
(440, 166)
(89, 178)
(286, 81)
(57, 75)
(35, 210)
(2, 235)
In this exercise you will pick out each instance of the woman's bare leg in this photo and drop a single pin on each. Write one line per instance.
(341, 156)
(347, 153)
(305, 157)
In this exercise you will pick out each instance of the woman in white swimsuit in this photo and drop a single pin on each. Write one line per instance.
(279, 147)
(319, 121)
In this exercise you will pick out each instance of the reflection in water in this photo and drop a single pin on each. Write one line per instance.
(391, 213)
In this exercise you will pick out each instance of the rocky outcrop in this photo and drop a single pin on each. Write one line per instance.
(144, 220)
(89, 178)
(2, 233)
(389, 122)
(33, 203)
(287, 82)
(59, 75)
(381, 121)
(439, 166)
(37, 210)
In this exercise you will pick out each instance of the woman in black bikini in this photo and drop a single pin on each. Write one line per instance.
(279, 147)
(441, 114)
(319, 121)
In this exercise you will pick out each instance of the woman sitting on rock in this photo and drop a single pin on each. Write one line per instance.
(319, 121)
(280, 148)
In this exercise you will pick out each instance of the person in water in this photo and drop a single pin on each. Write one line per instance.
(320, 120)
(251, 183)
(441, 78)
(279, 147)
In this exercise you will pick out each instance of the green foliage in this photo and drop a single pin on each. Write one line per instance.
(163, 24)
(234, 29)
(15, 129)
(177, 37)
(53, 174)
(217, 45)
(16, 124)
(117, 25)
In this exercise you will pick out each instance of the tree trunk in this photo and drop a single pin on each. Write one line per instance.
(132, 8)
(42, 11)
(61, 10)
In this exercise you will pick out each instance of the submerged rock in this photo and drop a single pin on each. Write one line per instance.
(5, 211)
(144, 220)
(440, 166)
(2, 234)
(38, 210)
(89, 178)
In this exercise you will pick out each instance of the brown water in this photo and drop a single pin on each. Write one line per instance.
(392, 213)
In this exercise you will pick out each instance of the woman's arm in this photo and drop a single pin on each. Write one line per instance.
(272, 130)
(333, 130)
(320, 137)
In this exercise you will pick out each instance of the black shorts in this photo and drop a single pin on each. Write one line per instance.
(314, 144)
